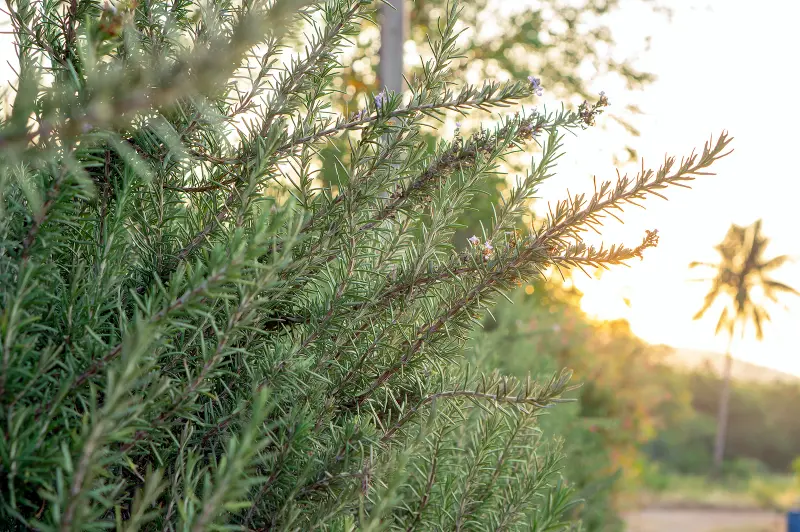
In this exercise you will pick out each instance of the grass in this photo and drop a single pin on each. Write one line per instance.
(763, 492)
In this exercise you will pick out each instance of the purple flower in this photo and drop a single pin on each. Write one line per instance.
(488, 250)
(380, 99)
(536, 85)
(458, 125)
(474, 240)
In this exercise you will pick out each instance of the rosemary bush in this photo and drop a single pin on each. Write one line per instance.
(195, 335)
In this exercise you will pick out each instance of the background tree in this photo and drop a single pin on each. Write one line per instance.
(763, 428)
(554, 39)
(742, 274)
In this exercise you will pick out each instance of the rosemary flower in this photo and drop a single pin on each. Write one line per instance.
(536, 85)
(380, 99)
(488, 250)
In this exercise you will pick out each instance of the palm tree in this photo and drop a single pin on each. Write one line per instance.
(741, 283)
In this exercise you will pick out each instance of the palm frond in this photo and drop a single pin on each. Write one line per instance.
(759, 315)
(773, 286)
(711, 296)
(695, 264)
(774, 263)
(723, 322)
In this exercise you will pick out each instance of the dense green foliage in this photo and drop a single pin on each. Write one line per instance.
(196, 333)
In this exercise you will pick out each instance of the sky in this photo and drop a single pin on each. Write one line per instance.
(721, 65)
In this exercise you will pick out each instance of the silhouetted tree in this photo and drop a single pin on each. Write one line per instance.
(741, 273)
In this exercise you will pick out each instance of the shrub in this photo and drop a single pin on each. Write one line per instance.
(743, 469)
(196, 335)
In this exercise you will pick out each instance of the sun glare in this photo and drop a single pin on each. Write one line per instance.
(656, 295)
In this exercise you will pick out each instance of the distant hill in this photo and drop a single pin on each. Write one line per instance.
(744, 371)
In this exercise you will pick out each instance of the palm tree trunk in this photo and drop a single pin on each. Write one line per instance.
(722, 414)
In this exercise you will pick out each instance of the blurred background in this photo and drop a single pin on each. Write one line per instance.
(649, 446)
(680, 423)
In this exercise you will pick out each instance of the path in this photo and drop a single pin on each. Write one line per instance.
(681, 520)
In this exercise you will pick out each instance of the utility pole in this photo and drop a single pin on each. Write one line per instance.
(394, 28)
